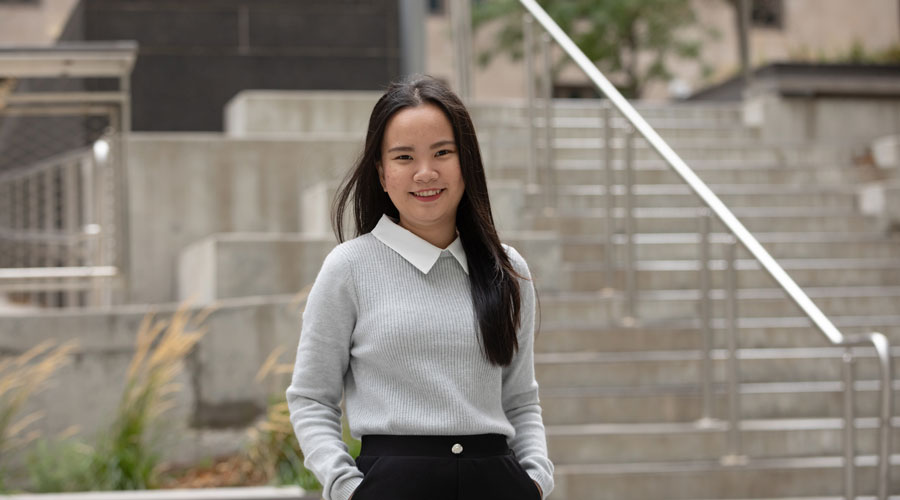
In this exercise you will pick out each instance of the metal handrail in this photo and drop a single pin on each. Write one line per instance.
(746, 239)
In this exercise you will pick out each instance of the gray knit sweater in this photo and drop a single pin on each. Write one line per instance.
(402, 346)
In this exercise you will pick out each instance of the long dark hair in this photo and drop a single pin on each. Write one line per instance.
(495, 291)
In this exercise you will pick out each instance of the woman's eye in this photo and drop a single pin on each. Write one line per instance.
(403, 157)
(443, 152)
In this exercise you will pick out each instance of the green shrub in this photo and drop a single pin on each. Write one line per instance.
(125, 457)
(273, 444)
(21, 377)
(60, 466)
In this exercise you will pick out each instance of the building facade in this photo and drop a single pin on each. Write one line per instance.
(781, 30)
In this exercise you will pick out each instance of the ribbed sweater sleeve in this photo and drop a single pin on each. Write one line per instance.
(314, 396)
(520, 389)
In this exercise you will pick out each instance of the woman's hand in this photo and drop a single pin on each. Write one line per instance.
(535, 483)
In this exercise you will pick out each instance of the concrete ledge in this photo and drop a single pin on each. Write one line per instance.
(185, 187)
(264, 112)
(250, 493)
(219, 396)
(242, 264)
(886, 152)
(882, 201)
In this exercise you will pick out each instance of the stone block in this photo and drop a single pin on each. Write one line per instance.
(886, 152)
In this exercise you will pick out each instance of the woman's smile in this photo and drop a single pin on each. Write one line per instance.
(428, 195)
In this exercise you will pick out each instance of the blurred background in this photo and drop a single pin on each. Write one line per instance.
(706, 191)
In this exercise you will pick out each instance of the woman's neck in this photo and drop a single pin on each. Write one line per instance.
(440, 236)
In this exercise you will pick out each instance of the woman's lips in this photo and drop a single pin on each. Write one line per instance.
(428, 194)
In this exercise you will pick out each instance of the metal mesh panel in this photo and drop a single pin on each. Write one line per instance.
(57, 199)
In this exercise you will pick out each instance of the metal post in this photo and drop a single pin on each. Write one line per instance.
(547, 87)
(89, 222)
(122, 203)
(886, 407)
(609, 258)
(33, 225)
(461, 18)
(51, 248)
(18, 223)
(743, 23)
(107, 220)
(412, 36)
(630, 277)
(706, 373)
(849, 427)
(70, 224)
(5, 223)
(734, 456)
(528, 35)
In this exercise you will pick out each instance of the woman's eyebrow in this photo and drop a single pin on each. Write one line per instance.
(443, 143)
(401, 148)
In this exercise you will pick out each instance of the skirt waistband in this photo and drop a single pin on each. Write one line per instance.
(473, 446)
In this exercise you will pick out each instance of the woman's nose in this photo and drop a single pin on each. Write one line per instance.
(425, 173)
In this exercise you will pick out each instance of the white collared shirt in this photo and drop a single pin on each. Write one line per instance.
(414, 249)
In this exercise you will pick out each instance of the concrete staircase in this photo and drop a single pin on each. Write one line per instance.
(621, 404)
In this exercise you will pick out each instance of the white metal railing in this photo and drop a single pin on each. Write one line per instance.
(713, 207)
(63, 219)
(56, 235)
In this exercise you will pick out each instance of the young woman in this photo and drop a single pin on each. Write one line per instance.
(424, 322)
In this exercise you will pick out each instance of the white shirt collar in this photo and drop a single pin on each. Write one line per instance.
(417, 251)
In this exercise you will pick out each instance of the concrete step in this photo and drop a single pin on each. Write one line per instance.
(516, 111)
(570, 197)
(760, 478)
(684, 220)
(665, 337)
(668, 305)
(788, 245)
(671, 441)
(650, 368)
(684, 402)
(691, 150)
(566, 174)
(699, 147)
(593, 127)
(685, 274)
(597, 163)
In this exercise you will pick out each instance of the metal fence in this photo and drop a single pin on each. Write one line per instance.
(64, 115)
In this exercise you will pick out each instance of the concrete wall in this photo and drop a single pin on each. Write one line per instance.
(284, 113)
(239, 264)
(218, 395)
(274, 171)
(836, 120)
(226, 266)
(186, 187)
(34, 23)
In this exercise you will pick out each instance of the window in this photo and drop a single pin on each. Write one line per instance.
(436, 7)
(767, 14)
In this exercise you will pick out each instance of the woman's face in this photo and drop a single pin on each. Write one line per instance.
(419, 170)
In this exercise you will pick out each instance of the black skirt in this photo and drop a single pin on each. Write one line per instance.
(478, 467)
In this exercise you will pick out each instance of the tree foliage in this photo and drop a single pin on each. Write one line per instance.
(632, 41)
